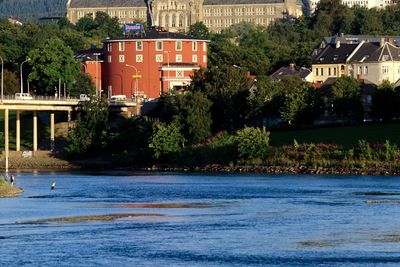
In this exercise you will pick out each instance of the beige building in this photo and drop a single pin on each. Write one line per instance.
(370, 58)
(180, 14)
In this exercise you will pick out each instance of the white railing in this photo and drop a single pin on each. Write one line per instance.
(41, 97)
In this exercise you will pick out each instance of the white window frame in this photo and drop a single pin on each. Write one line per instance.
(159, 58)
(178, 45)
(365, 70)
(180, 73)
(121, 58)
(139, 58)
(178, 58)
(121, 46)
(385, 69)
(139, 46)
(157, 43)
(194, 46)
(109, 59)
(194, 58)
(204, 46)
(109, 47)
(205, 59)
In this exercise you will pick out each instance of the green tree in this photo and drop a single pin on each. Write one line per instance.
(11, 83)
(90, 133)
(51, 63)
(166, 140)
(82, 85)
(199, 30)
(385, 102)
(253, 143)
(346, 98)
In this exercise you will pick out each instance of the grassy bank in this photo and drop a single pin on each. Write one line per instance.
(6, 190)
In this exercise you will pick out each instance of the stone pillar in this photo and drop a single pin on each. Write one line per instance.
(35, 131)
(6, 137)
(18, 131)
(52, 130)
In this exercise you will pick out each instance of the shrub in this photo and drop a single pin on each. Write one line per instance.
(253, 143)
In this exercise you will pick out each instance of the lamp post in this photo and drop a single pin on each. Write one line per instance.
(167, 52)
(22, 82)
(2, 78)
(137, 76)
(97, 61)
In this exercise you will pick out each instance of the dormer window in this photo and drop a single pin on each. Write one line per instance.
(321, 59)
(385, 57)
(335, 57)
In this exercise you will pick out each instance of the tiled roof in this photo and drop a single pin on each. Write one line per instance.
(155, 34)
(106, 3)
(290, 71)
(332, 55)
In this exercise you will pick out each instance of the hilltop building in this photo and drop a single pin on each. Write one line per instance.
(145, 65)
(312, 4)
(178, 15)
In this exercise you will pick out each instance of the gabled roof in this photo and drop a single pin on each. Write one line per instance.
(332, 55)
(290, 71)
(105, 3)
(373, 52)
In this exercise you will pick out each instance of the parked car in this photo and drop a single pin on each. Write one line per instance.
(84, 97)
(118, 98)
(23, 96)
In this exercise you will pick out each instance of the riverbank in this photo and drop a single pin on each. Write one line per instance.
(6, 190)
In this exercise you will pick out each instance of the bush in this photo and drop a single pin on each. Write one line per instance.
(253, 143)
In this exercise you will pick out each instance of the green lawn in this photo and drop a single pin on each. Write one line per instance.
(346, 136)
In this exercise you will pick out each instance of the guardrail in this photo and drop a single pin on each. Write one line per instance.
(41, 97)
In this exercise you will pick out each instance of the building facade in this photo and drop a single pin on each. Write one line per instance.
(363, 3)
(149, 64)
(178, 15)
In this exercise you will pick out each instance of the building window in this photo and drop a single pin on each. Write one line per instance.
(178, 45)
(194, 58)
(179, 73)
(322, 71)
(205, 59)
(159, 46)
(194, 46)
(109, 47)
(121, 58)
(316, 72)
(329, 71)
(359, 70)
(385, 69)
(334, 71)
(365, 70)
(139, 58)
(159, 58)
(121, 46)
(109, 59)
(139, 46)
(178, 58)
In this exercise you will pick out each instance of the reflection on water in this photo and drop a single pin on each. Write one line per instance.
(200, 220)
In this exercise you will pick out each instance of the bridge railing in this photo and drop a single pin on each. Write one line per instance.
(41, 97)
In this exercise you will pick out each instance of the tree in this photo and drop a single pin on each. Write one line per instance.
(166, 140)
(253, 143)
(83, 85)
(90, 133)
(346, 98)
(51, 63)
(11, 83)
(199, 30)
(385, 102)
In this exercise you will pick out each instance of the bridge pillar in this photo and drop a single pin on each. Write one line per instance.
(35, 131)
(6, 137)
(18, 131)
(52, 130)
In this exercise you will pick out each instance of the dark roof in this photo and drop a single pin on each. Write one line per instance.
(332, 55)
(373, 52)
(355, 39)
(89, 55)
(106, 3)
(155, 34)
(290, 71)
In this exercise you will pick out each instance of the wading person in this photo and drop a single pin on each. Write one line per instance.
(12, 180)
(53, 185)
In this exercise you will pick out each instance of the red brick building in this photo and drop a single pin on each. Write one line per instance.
(151, 63)
(92, 61)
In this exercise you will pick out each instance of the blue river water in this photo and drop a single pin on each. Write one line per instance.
(201, 220)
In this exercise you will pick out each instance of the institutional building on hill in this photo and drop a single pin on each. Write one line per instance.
(178, 15)
(363, 3)
(148, 64)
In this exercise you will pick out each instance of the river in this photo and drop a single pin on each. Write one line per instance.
(201, 220)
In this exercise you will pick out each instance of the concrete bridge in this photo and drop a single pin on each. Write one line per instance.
(51, 105)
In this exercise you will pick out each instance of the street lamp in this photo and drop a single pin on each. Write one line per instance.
(137, 76)
(167, 52)
(97, 55)
(22, 82)
(2, 78)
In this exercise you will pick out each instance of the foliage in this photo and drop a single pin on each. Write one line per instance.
(11, 83)
(252, 143)
(385, 102)
(199, 30)
(82, 85)
(90, 133)
(166, 140)
(51, 63)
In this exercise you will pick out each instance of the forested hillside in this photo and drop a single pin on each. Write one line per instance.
(32, 10)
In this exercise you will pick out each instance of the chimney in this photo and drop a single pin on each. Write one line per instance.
(337, 44)
(382, 41)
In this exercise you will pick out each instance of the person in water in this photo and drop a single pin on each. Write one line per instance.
(53, 185)
(12, 180)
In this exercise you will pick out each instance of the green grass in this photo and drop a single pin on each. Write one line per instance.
(345, 136)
